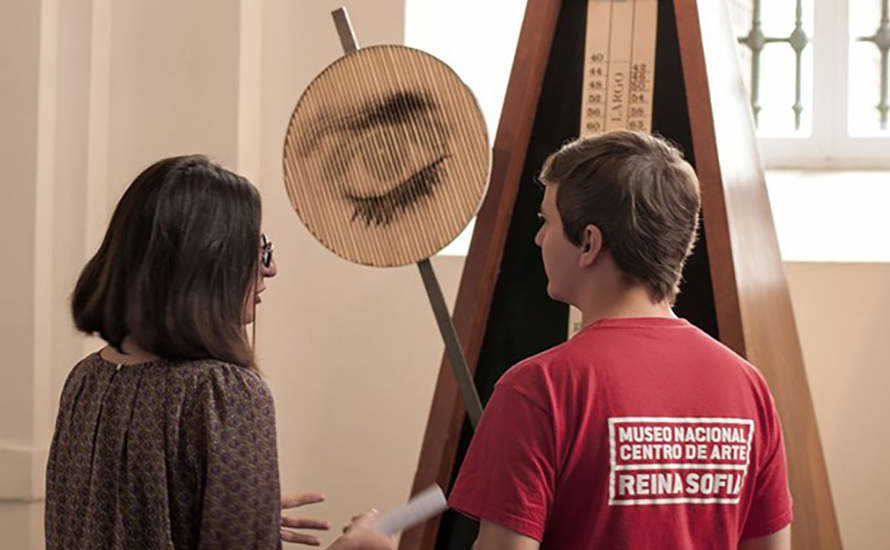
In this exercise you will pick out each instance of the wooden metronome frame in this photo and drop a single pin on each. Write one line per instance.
(735, 287)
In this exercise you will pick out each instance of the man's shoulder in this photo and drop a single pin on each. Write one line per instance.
(547, 369)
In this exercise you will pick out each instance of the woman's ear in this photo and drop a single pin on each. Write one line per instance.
(591, 244)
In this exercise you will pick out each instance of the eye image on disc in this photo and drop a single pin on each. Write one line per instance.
(386, 157)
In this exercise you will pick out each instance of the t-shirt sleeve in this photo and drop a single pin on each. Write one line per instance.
(234, 422)
(508, 475)
(771, 505)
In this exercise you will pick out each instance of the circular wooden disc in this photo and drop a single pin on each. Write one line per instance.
(386, 157)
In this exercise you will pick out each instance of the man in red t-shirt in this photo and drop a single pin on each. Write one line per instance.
(641, 431)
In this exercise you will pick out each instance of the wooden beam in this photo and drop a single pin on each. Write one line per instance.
(751, 294)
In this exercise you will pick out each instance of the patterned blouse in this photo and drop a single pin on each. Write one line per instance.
(164, 454)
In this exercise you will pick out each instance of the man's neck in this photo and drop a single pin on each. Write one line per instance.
(630, 302)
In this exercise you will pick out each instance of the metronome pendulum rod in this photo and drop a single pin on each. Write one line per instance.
(452, 344)
(344, 30)
(430, 282)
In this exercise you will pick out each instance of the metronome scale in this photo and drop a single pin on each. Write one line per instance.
(619, 66)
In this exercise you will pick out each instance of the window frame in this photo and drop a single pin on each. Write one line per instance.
(829, 146)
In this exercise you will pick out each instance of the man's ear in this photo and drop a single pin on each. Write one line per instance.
(591, 245)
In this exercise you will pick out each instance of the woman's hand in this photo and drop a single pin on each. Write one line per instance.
(295, 501)
(361, 535)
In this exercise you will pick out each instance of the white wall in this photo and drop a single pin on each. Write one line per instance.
(41, 146)
(843, 318)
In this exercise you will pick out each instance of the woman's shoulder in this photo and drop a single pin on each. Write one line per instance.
(189, 375)
(215, 387)
(229, 393)
(223, 375)
(213, 383)
(86, 367)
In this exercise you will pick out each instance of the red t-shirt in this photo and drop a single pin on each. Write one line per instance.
(636, 433)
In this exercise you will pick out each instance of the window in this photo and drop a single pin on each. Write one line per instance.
(828, 117)
(817, 73)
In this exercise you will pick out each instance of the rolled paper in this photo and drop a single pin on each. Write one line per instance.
(428, 503)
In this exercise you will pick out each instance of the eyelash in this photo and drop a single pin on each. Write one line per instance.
(394, 110)
(381, 209)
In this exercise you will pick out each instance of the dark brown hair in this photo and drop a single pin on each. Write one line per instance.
(640, 193)
(176, 264)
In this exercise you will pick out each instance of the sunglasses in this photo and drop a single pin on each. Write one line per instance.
(266, 251)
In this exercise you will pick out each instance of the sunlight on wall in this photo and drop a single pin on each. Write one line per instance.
(478, 40)
(831, 216)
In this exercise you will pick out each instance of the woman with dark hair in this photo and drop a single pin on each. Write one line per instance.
(165, 438)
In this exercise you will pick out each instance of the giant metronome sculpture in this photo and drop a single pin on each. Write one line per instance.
(591, 65)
